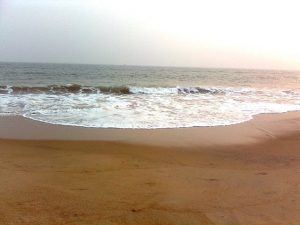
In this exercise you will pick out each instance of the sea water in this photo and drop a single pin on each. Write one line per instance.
(144, 97)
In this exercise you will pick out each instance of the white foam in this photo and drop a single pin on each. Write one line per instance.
(153, 90)
(159, 108)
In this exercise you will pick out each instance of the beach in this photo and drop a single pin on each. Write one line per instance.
(149, 112)
(247, 173)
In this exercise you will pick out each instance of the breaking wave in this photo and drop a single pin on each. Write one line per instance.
(63, 89)
(76, 88)
(143, 107)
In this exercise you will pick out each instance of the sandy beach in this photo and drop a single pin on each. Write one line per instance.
(247, 173)
(149, 112)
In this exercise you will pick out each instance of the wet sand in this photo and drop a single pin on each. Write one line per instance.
(242, 174)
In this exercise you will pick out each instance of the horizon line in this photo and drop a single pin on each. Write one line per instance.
(142, 65)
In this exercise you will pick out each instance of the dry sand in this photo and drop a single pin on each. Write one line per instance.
(242, 174)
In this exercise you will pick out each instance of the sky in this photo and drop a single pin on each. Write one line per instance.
(260, 34)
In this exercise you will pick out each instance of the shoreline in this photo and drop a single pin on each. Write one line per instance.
(261, 127)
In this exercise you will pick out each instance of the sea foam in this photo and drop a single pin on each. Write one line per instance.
(145, 107)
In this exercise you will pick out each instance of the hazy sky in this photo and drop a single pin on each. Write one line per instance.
(202, 33)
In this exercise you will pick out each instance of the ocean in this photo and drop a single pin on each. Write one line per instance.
(144, 97)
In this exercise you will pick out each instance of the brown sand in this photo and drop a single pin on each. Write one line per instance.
(242, 174)
(262, 127)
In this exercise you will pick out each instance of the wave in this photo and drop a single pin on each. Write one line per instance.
(76, 88)
(125, 90)
(63, 89)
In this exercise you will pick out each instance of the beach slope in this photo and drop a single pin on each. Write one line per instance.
(253, 179)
